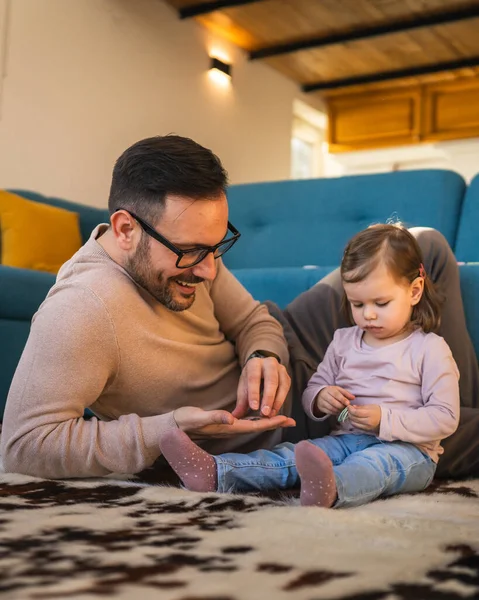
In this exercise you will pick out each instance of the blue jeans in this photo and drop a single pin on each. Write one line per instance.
(364, 468)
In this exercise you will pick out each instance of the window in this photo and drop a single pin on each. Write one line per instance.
(307, 141)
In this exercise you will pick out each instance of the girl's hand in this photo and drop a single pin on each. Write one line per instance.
(366, 418)
(332, 399)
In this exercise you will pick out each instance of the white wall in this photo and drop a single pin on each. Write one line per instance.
(84, 79)
(458, 155)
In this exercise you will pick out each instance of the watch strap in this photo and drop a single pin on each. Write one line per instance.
(263, 354)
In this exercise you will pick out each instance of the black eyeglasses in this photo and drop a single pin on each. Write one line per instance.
(192, 256)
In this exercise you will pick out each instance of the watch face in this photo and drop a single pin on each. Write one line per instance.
(257, 355)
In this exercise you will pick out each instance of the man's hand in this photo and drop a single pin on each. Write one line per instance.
(366, 418)
(332, 399)
(221, 423)
(276, 384)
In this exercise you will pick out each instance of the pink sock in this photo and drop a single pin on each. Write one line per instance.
(193, 465)
(318, 485)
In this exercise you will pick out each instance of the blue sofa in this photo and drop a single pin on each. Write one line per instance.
(293, 233)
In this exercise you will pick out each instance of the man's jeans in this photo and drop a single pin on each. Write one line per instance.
(364, 467)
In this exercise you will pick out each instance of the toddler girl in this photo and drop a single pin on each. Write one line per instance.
(389, 383)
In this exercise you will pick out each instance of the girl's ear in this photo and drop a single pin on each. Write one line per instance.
(417, 290)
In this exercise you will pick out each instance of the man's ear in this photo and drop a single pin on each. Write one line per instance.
(123, 226)
(417, 290)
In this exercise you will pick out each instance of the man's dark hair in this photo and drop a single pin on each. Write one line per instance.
(152, 168)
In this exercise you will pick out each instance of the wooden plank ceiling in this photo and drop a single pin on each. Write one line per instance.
(333, 46)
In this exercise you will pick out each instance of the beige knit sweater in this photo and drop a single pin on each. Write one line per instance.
(102, 342)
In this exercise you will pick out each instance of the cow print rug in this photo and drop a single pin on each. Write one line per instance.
(128, 539)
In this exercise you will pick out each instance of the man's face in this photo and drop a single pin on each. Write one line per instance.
(186, 223)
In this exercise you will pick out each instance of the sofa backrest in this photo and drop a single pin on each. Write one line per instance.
(90, 217)
(297, 223)
(467, 245)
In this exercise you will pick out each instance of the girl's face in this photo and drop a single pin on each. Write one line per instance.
(382, 306)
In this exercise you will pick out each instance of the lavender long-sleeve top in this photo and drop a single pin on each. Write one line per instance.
(415, 381)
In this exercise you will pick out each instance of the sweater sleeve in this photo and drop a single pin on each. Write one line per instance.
(325, 375)
(438, 418)
(245, 321)
(70, 358)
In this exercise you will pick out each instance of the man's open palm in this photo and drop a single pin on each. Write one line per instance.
(221, 423)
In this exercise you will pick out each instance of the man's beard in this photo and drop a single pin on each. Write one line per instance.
(140, 269)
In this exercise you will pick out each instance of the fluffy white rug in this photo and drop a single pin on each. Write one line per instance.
(117, 539)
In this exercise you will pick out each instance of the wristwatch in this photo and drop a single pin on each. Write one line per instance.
(263, 354)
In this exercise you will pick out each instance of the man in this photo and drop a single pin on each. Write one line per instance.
(147, 328)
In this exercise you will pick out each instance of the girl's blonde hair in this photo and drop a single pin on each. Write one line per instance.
(398, 248)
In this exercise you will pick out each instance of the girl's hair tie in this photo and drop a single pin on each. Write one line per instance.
(422, 271)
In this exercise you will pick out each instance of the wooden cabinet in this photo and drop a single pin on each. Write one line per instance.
(451, 111)
(369, 120)
(427, 113)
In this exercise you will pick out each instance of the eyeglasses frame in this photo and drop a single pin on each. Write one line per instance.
(148, 229)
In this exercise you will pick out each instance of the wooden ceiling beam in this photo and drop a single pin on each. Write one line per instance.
(364, 33)
(206, 7)
(333, 84)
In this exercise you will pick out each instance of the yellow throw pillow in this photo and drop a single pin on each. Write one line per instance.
(35, 235)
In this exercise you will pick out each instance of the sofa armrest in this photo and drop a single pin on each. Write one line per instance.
(469, 273)
(22, 291)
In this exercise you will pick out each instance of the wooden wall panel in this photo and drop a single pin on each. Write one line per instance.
(371, 120)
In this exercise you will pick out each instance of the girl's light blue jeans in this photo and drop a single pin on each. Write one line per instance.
(365, 468)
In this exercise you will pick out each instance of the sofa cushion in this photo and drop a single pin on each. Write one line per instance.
(36, 236)
(280, 285)
(297, 223)
(90, 216)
